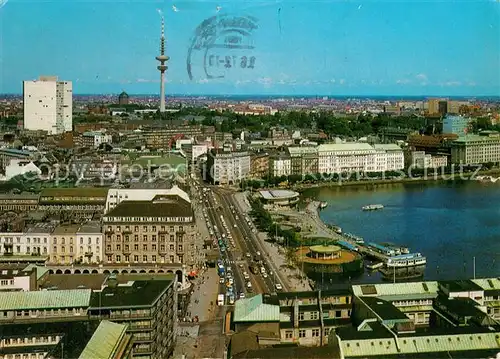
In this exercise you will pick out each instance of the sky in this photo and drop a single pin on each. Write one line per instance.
(297, 47)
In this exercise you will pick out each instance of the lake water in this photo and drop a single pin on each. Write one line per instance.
(449, 223)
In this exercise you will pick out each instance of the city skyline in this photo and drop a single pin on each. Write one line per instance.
(373, 48)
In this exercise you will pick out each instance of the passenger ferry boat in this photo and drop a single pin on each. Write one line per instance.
(406, 260)
(372, 207)
(374, 266)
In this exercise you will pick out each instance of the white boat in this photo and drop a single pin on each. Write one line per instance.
(372, 207)
(323, 205)
(406, 260)
(374, 266)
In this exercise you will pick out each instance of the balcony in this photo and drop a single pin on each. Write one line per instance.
(127, 251)
(109, 231)
(127, 231)
(108, 251)
(89, 254)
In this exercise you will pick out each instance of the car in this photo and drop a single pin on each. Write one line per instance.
(264, 275)
(249, 285)
(235, 225)
(248, 255)
(221, 280)
(258, 253)
(278, 286)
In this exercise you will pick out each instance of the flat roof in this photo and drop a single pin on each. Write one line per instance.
(351, 146)
(461, 285)
(278, 194)
(74, 192)
(50, 299)
(105, 341)
(384, 309)
(137, 294)
(170, 206)
(79, 281)
(395, 291)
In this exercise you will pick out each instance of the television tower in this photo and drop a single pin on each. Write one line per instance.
(162, 67)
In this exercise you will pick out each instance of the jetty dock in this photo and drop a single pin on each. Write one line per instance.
(363, 248)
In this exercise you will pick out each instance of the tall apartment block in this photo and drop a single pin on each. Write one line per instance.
(48, 105)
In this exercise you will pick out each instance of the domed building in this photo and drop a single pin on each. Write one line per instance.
(123, 98)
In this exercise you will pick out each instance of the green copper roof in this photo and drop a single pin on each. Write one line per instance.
(45, 299)
(255, 310)
(105, 341)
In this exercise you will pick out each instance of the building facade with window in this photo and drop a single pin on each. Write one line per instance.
(63, 247)
(162, 230)
(90, 243)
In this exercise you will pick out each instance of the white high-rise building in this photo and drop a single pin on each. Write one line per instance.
(48, 105)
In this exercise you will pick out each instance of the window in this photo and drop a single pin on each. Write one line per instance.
(179, 247)
(315, 332)
(314, 315)
(338, 314)
(171, 238)
(136, 258)
(144, 247)
(110, 258)
(288, 334)
(145, 238)
(81, 240)
(144, 258)
(136, 247)
(327, 331)
(118, 258)
(301, 316)
(153, 247)
(153, 238)
(153, 258)
(302, 333)
(127, 258)
(118, 247)
(154, 229)
(145, 228)
(136, 238)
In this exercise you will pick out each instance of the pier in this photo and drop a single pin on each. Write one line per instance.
(362, 248)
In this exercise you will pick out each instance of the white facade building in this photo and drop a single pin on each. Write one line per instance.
(281, 166)
(21, 167)
(12, 243)
(37, 239)
(48, 105)
(96, 138)
(90, 243)
(359, 157)
(390, 157)
(197, 151)
(227, 167)
(118, 195)
(14, 280)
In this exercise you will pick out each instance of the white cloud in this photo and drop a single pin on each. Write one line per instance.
(202, 81)
(332, 81)
(266, 81)
(403, 81)
(472, 83)
(146, 81)
(452, 83)
(422, 77)
(341, 81)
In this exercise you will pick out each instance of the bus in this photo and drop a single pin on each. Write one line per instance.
(220, 300)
